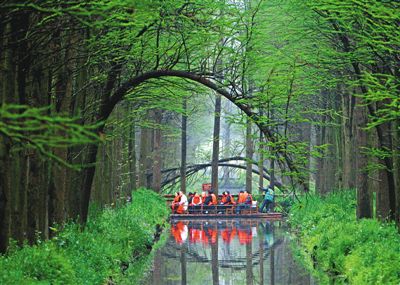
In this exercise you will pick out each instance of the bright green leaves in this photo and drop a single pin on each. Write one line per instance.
(35, 128)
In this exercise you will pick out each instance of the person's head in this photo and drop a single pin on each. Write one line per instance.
(228, 193)
(245, 191)
(190, 194)
(210, 192)
(194, 193)
(180, 193)
(177, 194)
(241, 191)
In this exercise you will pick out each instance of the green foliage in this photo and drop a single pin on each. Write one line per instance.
(34, 128)
(344, 249)
(115, 240)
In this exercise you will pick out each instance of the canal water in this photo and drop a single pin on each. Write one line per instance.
(231, 252)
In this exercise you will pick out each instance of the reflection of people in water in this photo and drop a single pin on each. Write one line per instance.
(267, 228)
(180, 232)
(244, 233)
(228, 234)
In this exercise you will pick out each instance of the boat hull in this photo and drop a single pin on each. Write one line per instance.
(269, 216)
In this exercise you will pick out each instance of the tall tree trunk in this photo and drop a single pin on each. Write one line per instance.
(396, 166)
(145, 154)
(183, 146)
(157, 151)
(132, 157)
(261, 162)
(249, 156)
(363, 195)
(227, 143)
(215, 149)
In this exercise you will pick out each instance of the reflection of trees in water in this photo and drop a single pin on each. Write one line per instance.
(196, 254)
(265, 259)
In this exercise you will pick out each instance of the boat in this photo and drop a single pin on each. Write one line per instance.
(223, 216)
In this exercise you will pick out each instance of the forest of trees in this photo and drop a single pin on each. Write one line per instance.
(99, 98)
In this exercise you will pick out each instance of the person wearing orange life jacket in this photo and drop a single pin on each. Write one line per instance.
(241, 197)
(196, 200)
(182, 204)
(203, 196)
(244, 201)
(224, 198)
(211, 199)
(227, 199)
(174, 204)
(214, 199)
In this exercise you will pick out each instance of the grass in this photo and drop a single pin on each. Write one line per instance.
(115, 246)
(336, 246)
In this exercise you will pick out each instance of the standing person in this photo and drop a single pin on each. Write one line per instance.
(268, 198)
(183, 203)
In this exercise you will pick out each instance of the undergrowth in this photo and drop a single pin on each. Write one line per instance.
(341, 249)
(115, 248)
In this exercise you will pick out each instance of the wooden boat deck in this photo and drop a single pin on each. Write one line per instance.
(269, 216)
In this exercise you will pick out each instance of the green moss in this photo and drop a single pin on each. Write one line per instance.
(115, 245)
(342, 248)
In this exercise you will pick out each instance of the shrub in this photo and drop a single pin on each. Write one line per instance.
(114, 241)
(344, 249)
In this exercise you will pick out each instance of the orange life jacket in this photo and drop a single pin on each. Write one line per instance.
(175, 202)
(242, 198)
(196, 200)
(250, 198)
(223, 199)
(214, 200)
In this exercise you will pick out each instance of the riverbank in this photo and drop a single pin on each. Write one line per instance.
(335, 246)
(115, 248)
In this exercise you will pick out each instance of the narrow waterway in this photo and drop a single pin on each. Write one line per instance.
(230, 252)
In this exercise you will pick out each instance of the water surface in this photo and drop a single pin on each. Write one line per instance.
(231, 252)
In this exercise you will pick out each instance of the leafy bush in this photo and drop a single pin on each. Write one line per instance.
(114, 242)
(344, 249)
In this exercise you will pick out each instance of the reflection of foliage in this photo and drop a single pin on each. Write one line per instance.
(35, 128)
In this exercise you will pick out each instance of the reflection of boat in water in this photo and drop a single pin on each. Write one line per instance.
(204, 232)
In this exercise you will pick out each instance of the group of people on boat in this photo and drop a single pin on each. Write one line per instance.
(244, 200)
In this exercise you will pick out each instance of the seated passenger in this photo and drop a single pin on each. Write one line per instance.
(224, 197)
(241, 197)
(174, 204)
(196, 200)
(229, 199)
(182, 204)
(203, 195)
(244, 201)
(211, 199)
(190, 197)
